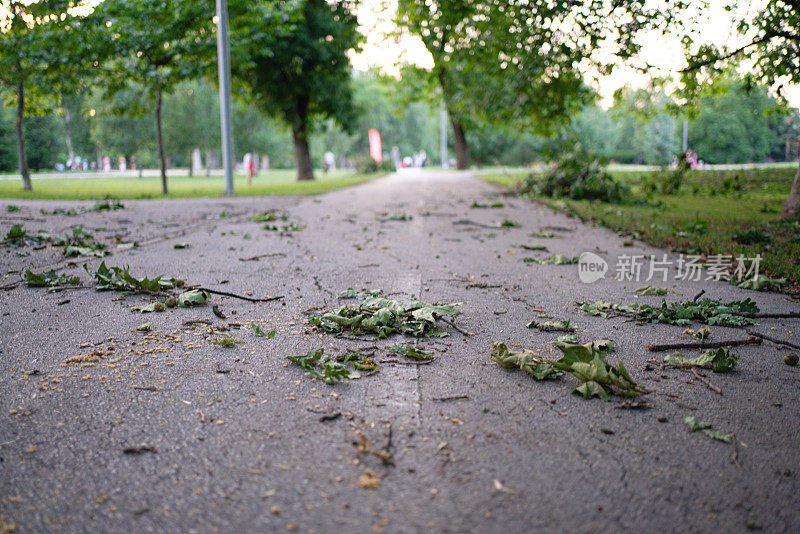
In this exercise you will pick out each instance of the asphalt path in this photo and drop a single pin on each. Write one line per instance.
(168, 432)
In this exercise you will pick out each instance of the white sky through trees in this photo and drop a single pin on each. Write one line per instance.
(386, 48)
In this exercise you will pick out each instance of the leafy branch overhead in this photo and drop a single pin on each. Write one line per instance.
(382, 317)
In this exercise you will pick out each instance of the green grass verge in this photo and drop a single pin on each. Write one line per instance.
(273, 183)
(703, 217)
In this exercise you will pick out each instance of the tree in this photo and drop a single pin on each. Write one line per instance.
(512, 63)
(156, 44)
(293, 60)
(36, 40)
(772, 45)
(119, 127)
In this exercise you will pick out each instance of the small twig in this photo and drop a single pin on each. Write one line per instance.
(453, 398)
(787, 315)
(709, 345)
(698, 376)
(702, 292)
(256, 258)
(774, 340)
(735, 455)
(457, 329)
(414, 362)
(234, 295)
(197, 321)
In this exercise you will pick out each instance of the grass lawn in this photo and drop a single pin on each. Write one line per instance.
(714, 212)
(88, 187)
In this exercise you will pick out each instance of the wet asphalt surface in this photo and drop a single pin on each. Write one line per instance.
(170, 433)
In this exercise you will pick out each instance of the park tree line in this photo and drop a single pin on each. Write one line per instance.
(499, 66)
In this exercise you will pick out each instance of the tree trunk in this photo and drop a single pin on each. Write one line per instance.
(462, 150)
(302, 155)
(191, 165)
(791, 209)
(22, 156)
(160, 141)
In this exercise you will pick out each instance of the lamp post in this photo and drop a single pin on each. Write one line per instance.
(224, 66)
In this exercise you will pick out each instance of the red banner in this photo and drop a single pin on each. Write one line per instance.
(375, 149)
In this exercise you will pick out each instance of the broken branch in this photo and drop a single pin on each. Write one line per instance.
(710, 345)
(234, 295)
(774, 340)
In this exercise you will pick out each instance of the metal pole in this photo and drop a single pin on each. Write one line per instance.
(444, 136)
(224, 65)
(685, 136)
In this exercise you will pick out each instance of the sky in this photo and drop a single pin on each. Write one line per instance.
(385, 49)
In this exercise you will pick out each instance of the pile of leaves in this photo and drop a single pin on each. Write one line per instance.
(49, 279)
(18, 237)
(586, 362)
(315, 367)
(578, 174)
(120, 279)
(719, 361)
(80, 243)
(382, 317)
(708, 311)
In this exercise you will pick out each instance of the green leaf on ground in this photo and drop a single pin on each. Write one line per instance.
(587, 363)
(485, 206)
(651, 290)
(49, 279)
(260, 333)
(705, 427)
(226, 340)
(557, 259)
(525, 360)
(720, 360)
(763, 283)
(192, 298)
(703, 333)
(411, 352)
(152, 307)
(120, 279)
(551, 326)
(315, 367)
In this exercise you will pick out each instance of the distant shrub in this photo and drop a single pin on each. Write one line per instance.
(578, 174)
(367, 165)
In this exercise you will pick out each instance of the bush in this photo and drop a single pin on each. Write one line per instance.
(578, 174)
(367, 165)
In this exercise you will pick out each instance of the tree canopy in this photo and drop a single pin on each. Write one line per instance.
(293, 60)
